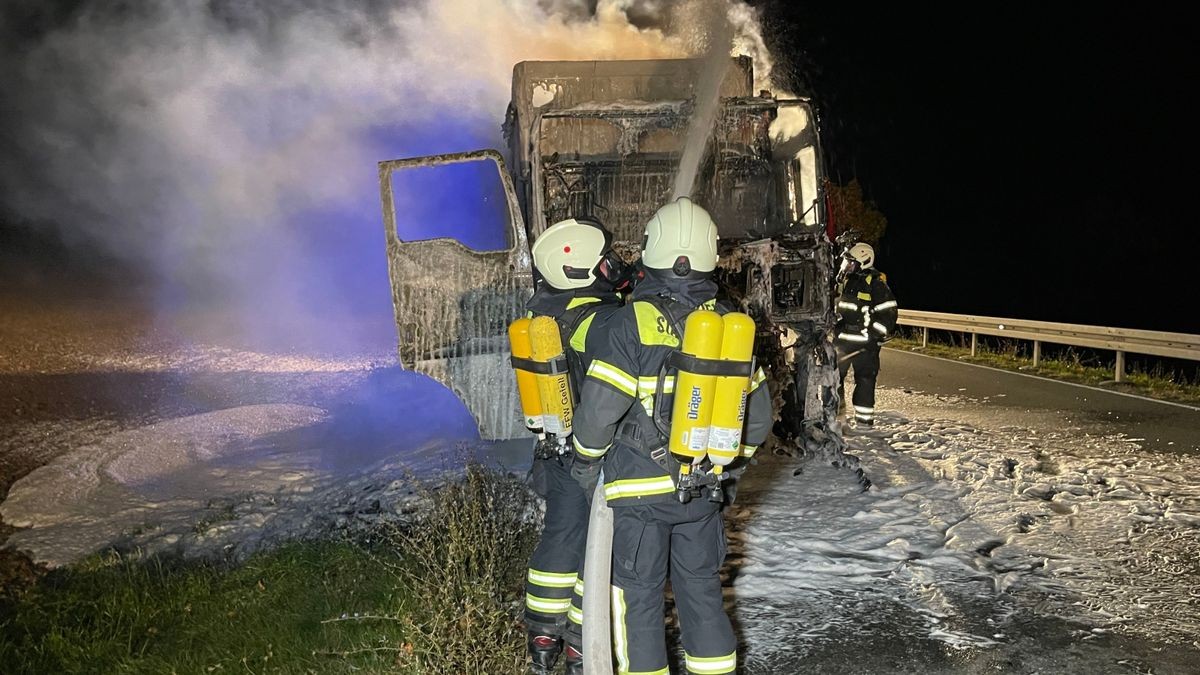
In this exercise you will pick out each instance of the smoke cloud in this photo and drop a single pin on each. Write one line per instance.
(228, 147)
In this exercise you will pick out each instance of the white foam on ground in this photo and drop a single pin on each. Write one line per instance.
(216, 359)
(163, 476)
(224, 483)
(963, 527)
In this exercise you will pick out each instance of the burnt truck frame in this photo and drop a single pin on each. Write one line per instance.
(604, 138)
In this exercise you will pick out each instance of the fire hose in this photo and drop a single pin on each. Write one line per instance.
(597, 578)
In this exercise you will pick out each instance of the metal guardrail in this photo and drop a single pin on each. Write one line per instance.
(1119, 340)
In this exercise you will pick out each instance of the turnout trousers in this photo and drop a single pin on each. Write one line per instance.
(554, 583)
(688, 541)
(864, 358)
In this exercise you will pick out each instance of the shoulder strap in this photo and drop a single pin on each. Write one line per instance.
(571, 319)
(660, 416)
(668, 308)
(671, 310)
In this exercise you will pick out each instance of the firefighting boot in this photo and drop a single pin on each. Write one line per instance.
(574, 661)
(543, 653)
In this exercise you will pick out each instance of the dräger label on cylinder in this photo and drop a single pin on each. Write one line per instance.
(694, 404)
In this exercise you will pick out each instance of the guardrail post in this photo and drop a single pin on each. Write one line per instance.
(1037, 353)
(1120, 369)
(924, 337)
(974, 343)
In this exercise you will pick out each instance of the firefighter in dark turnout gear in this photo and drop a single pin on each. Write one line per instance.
(654, 532)
(866, 318)
(579, 288)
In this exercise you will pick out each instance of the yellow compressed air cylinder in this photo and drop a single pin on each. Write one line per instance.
(555, 390)
(691, 413)
(527, 387)
(729, 395)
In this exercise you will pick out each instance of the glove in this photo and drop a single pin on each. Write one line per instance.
(586, 475)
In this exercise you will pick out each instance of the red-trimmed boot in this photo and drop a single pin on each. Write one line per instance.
(574, 661)
(543, 653)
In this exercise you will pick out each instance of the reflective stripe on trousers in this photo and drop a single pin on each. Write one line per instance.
(688, 540)
(574, 633)
(555, 564)
(866, 368)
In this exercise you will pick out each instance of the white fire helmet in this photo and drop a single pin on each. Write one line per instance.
(862, 254)
(681, 237)
(566, 253)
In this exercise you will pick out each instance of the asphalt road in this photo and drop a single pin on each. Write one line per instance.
(1035, 401)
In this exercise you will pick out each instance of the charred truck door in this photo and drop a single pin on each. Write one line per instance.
(453, 303)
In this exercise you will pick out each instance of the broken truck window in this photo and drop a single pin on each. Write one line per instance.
(462, 201)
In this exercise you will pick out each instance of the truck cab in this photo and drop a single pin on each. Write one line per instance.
(604, 139)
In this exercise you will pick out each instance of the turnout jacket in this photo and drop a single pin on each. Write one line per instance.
(621, 384)
(866, 309)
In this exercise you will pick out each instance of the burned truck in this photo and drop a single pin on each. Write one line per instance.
(604, 139)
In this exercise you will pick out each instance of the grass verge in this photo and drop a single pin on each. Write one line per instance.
(1068, 365)
(441, 595)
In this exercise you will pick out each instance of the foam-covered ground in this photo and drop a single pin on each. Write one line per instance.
(122, 428)
(977, 549)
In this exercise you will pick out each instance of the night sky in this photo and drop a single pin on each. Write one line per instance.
(1031, 163)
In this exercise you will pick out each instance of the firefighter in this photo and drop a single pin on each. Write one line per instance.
(581, 279)
(654, 531)
(866, 319)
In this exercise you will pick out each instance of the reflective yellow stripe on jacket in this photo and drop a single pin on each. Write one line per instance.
(586, 451)
(610, 374)
(759, 378)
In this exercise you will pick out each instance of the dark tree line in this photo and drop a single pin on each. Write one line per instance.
(850, 210)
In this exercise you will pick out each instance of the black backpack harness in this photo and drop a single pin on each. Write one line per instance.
(651, 431)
